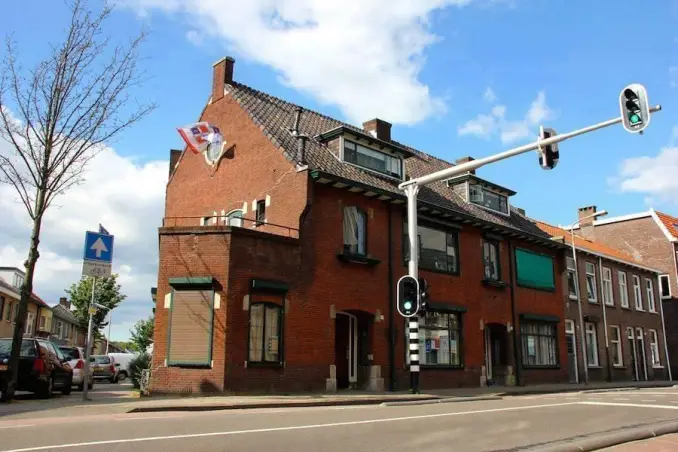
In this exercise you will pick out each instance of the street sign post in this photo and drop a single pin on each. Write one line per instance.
(97, 260)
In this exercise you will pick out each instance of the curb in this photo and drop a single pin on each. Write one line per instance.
(600, 441)
(583, 390)
(443, 400)
(249, 406)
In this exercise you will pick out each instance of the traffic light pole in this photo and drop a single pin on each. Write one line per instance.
(411, 189)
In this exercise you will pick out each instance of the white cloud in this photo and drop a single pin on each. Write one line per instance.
(127, 197)
(486, 126)
(364, 56)
(652, 176)
(489, 95)
(196, 37)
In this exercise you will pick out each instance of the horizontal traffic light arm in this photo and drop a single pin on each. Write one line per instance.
(475, 164)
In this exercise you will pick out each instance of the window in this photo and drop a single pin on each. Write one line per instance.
(623, 290)
(16, 312)
(190, 327)
(591, 345)
(234, 218)
(637, 294)
(59, 329)
(438, 250)
(355, 222)
(372, 159)
(649, 287)
(18, 280)
(654, 349)
(30, 324)
(665, 286)
(43, 322)
(265, 333)
(261, 213)
(481, 196)
(616, 349)
(608, 297)
(571, 278)
(591, 291)
(539, 344)
(2, 307)
(534, 270)
(440, 339)
(491, 260)
(67, 331)
(8, 311)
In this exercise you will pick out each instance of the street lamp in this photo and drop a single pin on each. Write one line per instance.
(576, 285)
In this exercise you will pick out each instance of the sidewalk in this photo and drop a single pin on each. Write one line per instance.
(666, 443)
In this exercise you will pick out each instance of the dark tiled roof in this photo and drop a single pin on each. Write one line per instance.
(36, 299)
(64, 314)
(276, 116)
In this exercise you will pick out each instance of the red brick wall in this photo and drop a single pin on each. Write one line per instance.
(255, 169)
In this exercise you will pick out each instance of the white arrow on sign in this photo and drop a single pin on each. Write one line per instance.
(99, 247)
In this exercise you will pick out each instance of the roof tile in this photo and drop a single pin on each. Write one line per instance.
(671, 223)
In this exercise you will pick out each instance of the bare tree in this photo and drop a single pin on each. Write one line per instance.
(57, 117)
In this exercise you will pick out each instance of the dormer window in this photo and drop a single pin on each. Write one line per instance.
(483, 197)
(381, 162)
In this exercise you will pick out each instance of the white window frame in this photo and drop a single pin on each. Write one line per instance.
(59, 329)
(668, 279)
(654, 350)
(593, 282)
(608, 293)
(29, 329)
(637, 293)
(232, 219)
(617, 344)
(401, 162)
(623, 289)
(649, 290)
(591, 333)
(478, 202)
(571, 269)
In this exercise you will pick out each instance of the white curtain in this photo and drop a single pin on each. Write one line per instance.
(354, 230)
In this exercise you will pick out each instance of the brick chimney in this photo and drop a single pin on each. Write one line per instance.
(174, 159)
(63, 301)
(378, 128)
(586, 226)
(466, 159)
(221, 76)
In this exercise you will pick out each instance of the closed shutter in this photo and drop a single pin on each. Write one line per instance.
(191, 328)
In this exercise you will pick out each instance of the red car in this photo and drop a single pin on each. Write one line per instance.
(43, 368)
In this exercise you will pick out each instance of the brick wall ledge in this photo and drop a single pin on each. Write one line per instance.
(218, 230)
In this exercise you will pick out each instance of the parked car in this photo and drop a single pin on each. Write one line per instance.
(42, 367)
(104, 368)
(76, 358)
(122, 361)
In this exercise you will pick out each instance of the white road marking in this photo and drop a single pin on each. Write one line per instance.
(637, 405)
(653, 393)
(280, 429)
(621, 398)
(18, 426)
(141, 418)
(648, 400)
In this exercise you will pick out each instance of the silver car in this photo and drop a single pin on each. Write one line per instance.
(76, 358)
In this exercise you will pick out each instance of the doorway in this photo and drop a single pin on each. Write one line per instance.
(351, 349)
(571, 344)
(634, 354)
(496, 353)
(640, 345)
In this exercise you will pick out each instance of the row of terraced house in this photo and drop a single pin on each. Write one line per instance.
(279, 258)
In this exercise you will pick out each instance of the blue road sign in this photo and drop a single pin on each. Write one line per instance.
(98, 247)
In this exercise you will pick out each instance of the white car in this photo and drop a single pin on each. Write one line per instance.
(122, 361)
(76, 359)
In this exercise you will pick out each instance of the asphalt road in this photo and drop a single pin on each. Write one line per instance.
(508, 424)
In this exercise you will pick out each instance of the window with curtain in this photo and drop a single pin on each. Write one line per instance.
(265, 333)
(637, 293)
(571, 279)
(491, 260)
(440, 339)
(30, 323)
(438, 249)
(623, 290)
(650, 296)
(592, 344)
(373, 159)
(591, 291)
(355, 229)
(539, 344)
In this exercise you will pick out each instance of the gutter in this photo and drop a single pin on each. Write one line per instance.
(514, 317)
(603, 305)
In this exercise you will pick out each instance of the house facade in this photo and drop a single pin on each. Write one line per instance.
(652, 238)
(279, 258)
(38, 316)
(620, 326)
(65, 329)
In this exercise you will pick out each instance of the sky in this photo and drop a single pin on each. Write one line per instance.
(455, 78)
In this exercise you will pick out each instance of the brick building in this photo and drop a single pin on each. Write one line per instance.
(65, 329)
(38, 315)
(278, 262)
(652, 238)
(623, 329)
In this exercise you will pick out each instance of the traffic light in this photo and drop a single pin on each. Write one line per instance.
(548, 155)
(423, 294)
(635, 108)
(408, 296)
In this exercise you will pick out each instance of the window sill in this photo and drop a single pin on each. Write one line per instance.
(640, 310)
(440, 367)
(264, 364)
(533, 367)
(657, 367)
(609, 305)
(628, 308)
(594, 367)
(573, 298)
(189, 365)
(357, 259)
(619, 366)
(653, 312)
(494, 283)
(593, 301)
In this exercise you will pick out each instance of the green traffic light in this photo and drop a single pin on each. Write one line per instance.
(634, 118)
(408, 305)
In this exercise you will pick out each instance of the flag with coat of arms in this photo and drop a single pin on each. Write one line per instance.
(201, 136)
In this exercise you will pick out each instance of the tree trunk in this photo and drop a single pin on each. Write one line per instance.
(26, 291)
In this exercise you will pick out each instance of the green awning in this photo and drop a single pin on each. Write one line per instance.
(534, 270)
(266, 285)
(440, 306)
(540, 318)
(192, 281)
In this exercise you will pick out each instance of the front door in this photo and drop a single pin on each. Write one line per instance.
(488, 353)
(640, 345)
(571, 344)
(345, 350)
(634, 353)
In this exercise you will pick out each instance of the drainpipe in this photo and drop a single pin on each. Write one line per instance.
(661, 312)
(514, 316)
(391, 314)
(582, 337)
(604, 306)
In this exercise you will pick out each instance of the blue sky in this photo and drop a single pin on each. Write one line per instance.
(456, 77)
